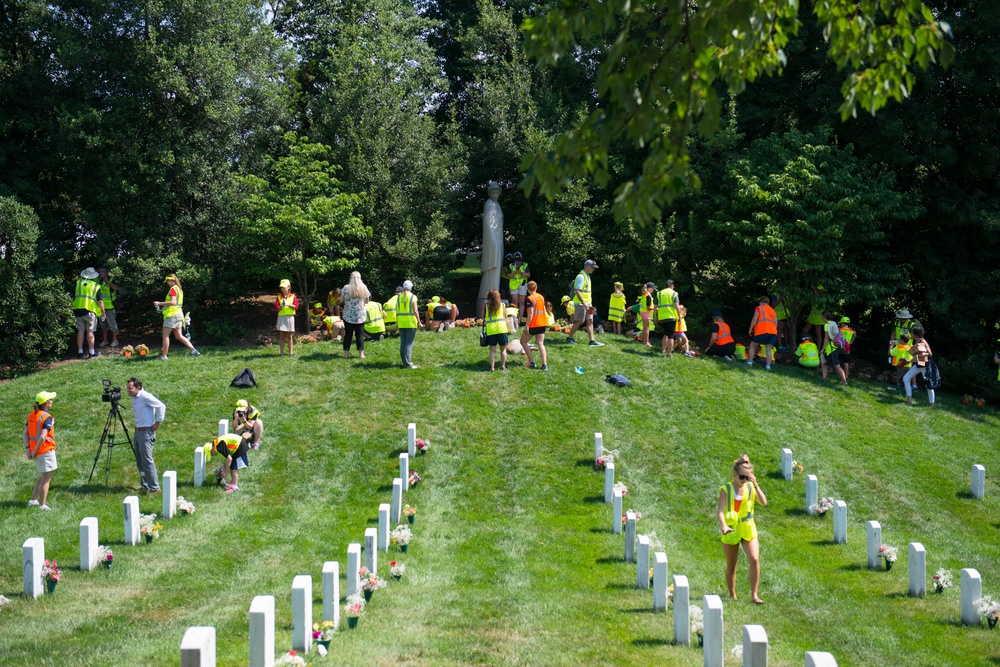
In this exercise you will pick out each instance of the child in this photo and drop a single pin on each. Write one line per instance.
(680, 336)
(740, 353)
(849, 336)
(616, 307)
(901, 359)
(570, 308)
(808, 353)
(550, 317)
(646, 311)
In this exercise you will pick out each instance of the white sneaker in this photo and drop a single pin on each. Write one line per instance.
(33, 503)
(114, 344)
(44, 507)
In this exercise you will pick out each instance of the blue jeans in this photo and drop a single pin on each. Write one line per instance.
(142, 447)
(406, 337)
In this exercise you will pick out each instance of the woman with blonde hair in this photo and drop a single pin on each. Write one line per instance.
(173, 317)
(737, 500)
(495, 324)
(354, 296)
(286, 304)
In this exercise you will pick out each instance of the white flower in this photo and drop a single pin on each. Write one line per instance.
(737, 651)
(4, 601)
(620, 486)
(398, 569)
(942, 579)
(697, 620)
(401, 535)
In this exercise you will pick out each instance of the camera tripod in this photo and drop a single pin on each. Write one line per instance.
(108, 441)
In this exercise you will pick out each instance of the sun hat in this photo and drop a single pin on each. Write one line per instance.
(904, 315)
(845, 320)
(285, 283)
(592, 263)
(44, 396)
(407, 284)
(89, 273)
(242, 403)
(171, 276)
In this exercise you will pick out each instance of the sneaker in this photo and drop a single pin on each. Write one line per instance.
(114, 344)
(594, 343)
(503, 369)
(79, 355)
(689, 353)
(44, 507)
(230, 488)
(570, 341)
(413, 367)
(94, 354)
(749, 363)
(256, 446)
(545, 367)
(161, 358)
(767, 368)
(728, 358)
(33, 503)
(103, 343)
(530, 365)
(195, 353)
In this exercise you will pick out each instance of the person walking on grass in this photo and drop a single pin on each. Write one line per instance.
(764, 332)
(583, 300)
(616, 307)
(831, 350)
(495, 323)
(40, 447)
(735, 510)
(407, 322)
(354, 296)
(667, 305)
(286, 304)
(537, 323)
(173, 317)
(921, 353)
(148, 412)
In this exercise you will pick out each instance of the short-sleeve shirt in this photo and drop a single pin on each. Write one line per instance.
(579, 284)
(354, 309)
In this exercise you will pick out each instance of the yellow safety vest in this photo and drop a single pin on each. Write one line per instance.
(781, 311)
(390, 309)
(496, 322)
(405, 317)
(665, 308)
(108, 296)
(514, 283)
(808, 354)
(287, 304)
(85, 297)
(740, 521)
(374, 322)
(616, 307)
(903, 327)
(170, 311)
(232, 442)
(587, 298)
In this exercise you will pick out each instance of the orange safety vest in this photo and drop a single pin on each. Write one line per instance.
(724, 337)
(539, 317)
(767, 321)
(35, 420)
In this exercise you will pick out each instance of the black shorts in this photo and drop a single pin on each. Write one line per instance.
(834, 357)
(223, 450)
(534, 331)
(442, 313)
(667, 327)
(497, 339)
(765, 339)
(845, 358)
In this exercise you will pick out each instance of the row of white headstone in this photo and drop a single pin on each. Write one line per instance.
(198, 643)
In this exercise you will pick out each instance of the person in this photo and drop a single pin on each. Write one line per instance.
(374, 321)
(537, 323)
(905, 322)
(583, 299)
(389, 308)
(814, 321)
(550, 317)
(763, 332)
(646, 310)
(333, 302)
(246, 420)
(407, 321)
(316, 315)
(616, 307)
(286, 304)
(680, 335)
(517, 274)
(901, 359)
(921, 353)
(808, 353)
(354, 296)
(567, 303)
(40, 447)
(88, 306)
(148, 412)
(334, 326)
(510, 311)
(781, 312)
(667, 302)
(740, 352)
(495, 323)
(173, 317)
(440, 312)
(831, 351)
(234, 448)
(735, 510)
(109, 295)
(722, 343)
(849, 336)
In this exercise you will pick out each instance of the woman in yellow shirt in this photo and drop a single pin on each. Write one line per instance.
(737, 500)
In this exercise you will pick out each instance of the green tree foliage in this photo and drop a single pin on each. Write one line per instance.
(298, 220)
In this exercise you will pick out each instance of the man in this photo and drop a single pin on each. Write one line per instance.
(234, 448)
(88, 306)
(763, 332)
(517, 275)
(583, 299)
(667, 305)
(722, 343)
(109, 294)
(904, 323)
(389, 307)
(247, 423)
(40, 446)
(148, 412)
(407, 321)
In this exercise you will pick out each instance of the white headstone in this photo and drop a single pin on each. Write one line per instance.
(169, 492)
(383, 526)
(642, 563)
(616, 512)
(598, 445)
(262, 631)
(609, 481)
(371, 549)
(786, 464)
(971, 585)
(198, 647)
(131, 506)
(873, 532)
(659, 581)
(32, 557)
(199, 466)
(223, 427)
(714, 654)
(630, 537)
(302, 612)
(411, 439)
(916, 563)
(754, 646)
(396, 508)
(812, 492)
(820, 659)
(353, 565)
(682, 610)
(331, 592)
(978, 481)
(839, 522)
(88, 544)
(404, 470)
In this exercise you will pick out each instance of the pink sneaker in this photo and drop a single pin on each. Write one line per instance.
(230, 488)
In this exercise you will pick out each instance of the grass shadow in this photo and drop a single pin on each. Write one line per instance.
(373, 522)
(12, 504)
(642, 610)
(854, 567)
(100, 488)
(384, 488)
(965, 495)
(796, 511)
(775, 475)
(595, 529)
(585, 463)
(395, 453)
(621, 587)
(823, 543)
(251, 357)
(897, 594)
(652, 642)
(593, 499)
(953, 623)
(607, 560)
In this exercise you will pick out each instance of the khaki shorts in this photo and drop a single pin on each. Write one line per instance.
(46, 462)
(110, 323)
(87, 322)
(580, 313)
(173, 322)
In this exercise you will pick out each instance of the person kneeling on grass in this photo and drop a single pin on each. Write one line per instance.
(808, 353)
(234, 447)
(247, 423)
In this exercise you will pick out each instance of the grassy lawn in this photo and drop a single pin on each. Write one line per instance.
(513, 561)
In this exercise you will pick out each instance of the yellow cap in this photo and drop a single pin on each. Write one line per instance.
(44, 396)
(171, 276)
(242, 404)
(285, 283)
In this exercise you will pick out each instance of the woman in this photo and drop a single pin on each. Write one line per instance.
(354, 296)
(173, 317)
(921, 353)
(538, 320)
(286, 304)
(40, 446)
(407, 323)
(495, 321)
(736, 504)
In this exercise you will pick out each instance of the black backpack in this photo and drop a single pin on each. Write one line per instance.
(245, 380)
(618, 380)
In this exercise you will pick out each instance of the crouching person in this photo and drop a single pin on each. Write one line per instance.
(234, 448)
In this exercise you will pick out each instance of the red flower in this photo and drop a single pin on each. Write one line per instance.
(392, 564)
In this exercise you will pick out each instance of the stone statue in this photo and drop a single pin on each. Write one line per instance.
(492, 258)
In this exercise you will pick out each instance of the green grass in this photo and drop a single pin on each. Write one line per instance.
(513, 561)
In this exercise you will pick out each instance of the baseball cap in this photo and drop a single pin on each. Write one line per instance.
(285, 283)
(508, 256)
(43, 396)
(399, 288)
(317, 305)
(564, 299)
(170, 276)
(717, 313)
(435, 299)
(845, 320)
(617, 284)
(651, 285)
(517, 255)
(242, 404)
(407, 284)
(592, 263)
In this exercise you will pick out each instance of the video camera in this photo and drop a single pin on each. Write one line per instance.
(111, 394)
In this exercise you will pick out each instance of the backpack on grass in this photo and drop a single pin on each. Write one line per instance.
(245, 380)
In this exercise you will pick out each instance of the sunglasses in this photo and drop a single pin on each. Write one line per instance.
(744, 478)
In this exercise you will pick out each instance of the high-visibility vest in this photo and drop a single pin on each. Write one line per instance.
(741, 520)
(902, 327)
(389, 307)
(848, 334)
(496, 322)
(539, 318)
(405, 317)
(511, 311)
(85, 296)
(642, 304)
(329, 321)
(808, 354)
(767, 322)
(781, 312)
(374, 322)
(231, 442)
(108, 295)
(570, 309)
(740, 352)
(287, 304)
(901, 355)
(665, 308)
(36, 418)
(616, 307)
(550, 321)
(514, 283)
(170, 311)
(724, 336)
(587, 297)
(250, 413)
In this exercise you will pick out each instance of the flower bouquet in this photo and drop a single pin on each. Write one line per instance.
(988, 608)
(370, 582)
(50, 573)
(355, 607)
(141, 350)
(323, 633)
(291, 658)
(413, 479)
(149, 527)
(620, 486)
(698, 624)
(797, 467)
(890, 554)
(737, 652)
(942, 580)
(128, 351)
(410, 512)
(637, 513)
(822, 507)
(4, 601)
(980, 402)
(422, 445)
(184, 506)
(397, 570)
(401, 535)
(104, 555)
(265, 341)
(607, 456)
(967, 399)
(220, 474)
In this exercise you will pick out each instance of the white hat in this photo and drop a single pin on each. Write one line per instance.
(89, 273)
(904, 315)
(407, 284)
